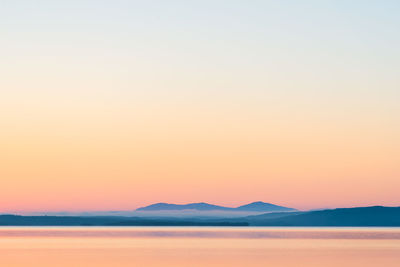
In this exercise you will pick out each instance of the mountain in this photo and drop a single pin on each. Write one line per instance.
(364, 216)
(360, 217)
(260, 206)
(252, 207)
(192, 206)
(192, 210)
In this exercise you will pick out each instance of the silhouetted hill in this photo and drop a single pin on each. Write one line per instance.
(192, 206)
(260, 206)
(252, 207)
(366, 216)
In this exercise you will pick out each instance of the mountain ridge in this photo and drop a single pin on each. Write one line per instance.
(257, 206)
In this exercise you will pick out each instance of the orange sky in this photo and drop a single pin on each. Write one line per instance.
(177, 109)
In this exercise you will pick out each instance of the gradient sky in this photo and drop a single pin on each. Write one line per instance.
(111, 105)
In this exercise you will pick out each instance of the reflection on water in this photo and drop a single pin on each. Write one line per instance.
(203, 232)
(197, 246)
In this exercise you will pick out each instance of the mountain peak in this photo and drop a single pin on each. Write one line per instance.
(257, 206)
(201, 206)
(261, 206)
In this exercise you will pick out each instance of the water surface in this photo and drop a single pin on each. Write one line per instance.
(199, 246)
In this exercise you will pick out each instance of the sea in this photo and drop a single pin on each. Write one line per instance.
(199, 246)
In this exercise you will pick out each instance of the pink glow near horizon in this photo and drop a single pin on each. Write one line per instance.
(113, 106)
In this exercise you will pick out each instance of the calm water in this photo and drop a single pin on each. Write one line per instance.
(199, 246)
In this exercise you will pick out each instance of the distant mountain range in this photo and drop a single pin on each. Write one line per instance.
(258, 206)
(191, 210)
(364, 216)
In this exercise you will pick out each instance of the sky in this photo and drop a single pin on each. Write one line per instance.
(113, 105)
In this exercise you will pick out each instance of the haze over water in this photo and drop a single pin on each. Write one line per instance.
(199, 246)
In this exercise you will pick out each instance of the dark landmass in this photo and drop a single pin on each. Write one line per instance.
(15, 220)
(252, 207)
(366, 216)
